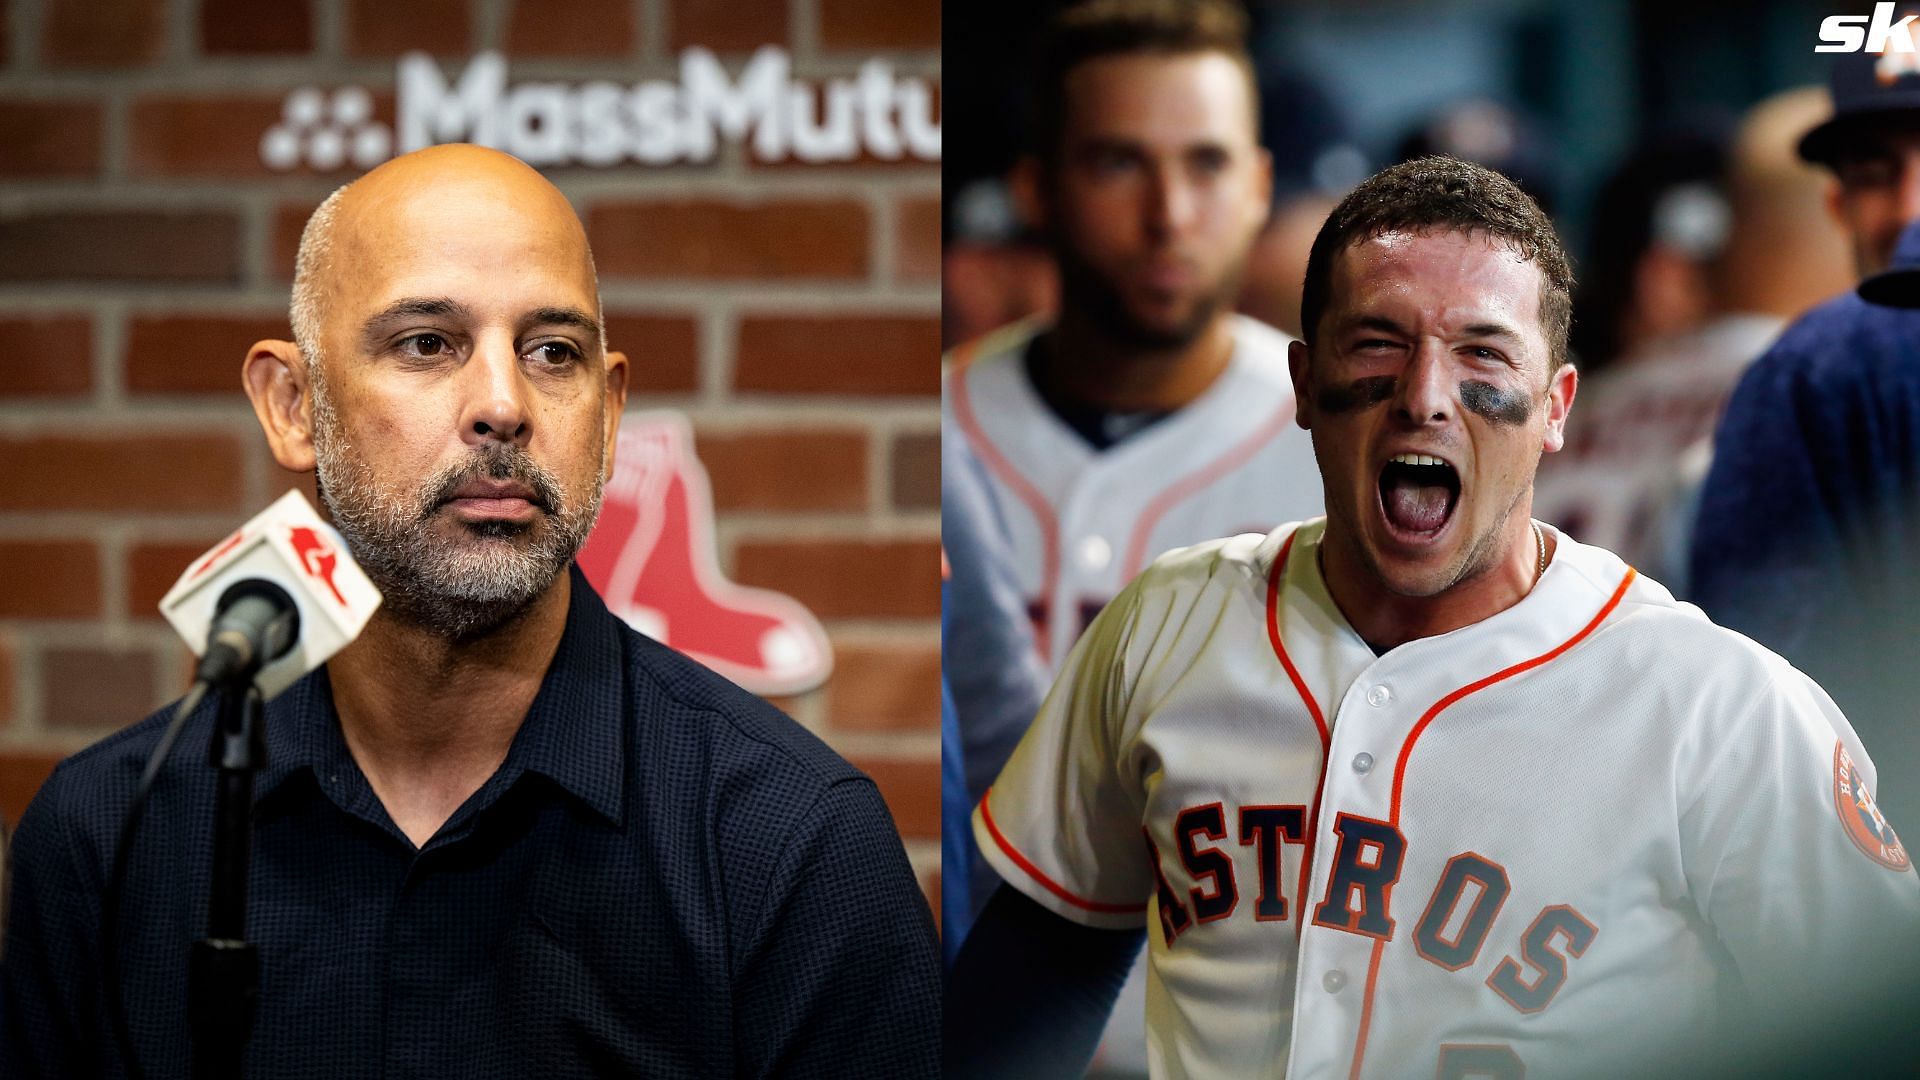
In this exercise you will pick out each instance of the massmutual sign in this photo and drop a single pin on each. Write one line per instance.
(875, 113)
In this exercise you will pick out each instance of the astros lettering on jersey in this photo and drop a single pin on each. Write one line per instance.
(1082, 522)
(1527, 844)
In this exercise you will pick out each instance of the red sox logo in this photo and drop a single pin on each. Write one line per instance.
(651, 557)
(317, 557)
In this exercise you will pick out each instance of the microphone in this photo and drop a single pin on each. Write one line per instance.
(254, 623)
(272, 601)
(268, 604)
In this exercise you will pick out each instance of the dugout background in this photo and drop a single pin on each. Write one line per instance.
(1594, 74)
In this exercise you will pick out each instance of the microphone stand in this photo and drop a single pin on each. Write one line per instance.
(224, 973)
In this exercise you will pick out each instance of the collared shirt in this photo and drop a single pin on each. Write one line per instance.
(665, 877)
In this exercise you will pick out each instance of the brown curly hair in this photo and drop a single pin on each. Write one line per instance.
(1445, 193)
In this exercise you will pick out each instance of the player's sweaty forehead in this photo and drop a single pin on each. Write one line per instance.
(436, 214)
(1462, 286)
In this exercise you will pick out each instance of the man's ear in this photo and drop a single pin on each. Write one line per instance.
(1297, 366)
(1561, 387)
(276, 381)
(616, 403)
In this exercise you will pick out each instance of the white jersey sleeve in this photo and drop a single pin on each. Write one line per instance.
(1062, 821)
(1786, 854)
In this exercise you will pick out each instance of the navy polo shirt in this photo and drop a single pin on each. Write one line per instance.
(666, 877)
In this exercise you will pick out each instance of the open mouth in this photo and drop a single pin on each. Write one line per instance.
(1418, 493)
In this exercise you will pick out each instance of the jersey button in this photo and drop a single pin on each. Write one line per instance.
(1362, 762)
(1095, 553)
(1378, 696)
(1334, 981)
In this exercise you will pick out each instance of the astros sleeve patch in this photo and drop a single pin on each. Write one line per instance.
(1865, 825)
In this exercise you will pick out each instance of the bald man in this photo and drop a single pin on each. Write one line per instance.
(501, 834)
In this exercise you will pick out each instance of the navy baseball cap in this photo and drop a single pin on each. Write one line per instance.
(1898, 286)
(1869, 89)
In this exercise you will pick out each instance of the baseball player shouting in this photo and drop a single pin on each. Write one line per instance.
(1423, 787)
(1147, 416)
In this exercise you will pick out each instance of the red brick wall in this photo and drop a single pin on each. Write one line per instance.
(791, 310)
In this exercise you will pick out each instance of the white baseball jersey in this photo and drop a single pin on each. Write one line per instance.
(1082, 522)
(1527, 844)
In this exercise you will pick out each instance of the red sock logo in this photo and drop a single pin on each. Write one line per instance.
(651, 556)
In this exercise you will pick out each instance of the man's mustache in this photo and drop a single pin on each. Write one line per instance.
(497, 463)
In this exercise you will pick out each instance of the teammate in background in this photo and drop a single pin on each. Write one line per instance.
(1147, 416)
(1492, 134)
(1808, 536)
(1711, 254)
(1315, 162)
(1657, 224)
(1425, 787)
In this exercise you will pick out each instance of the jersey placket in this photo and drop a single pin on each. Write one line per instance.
(1087, 553)
(1100, 508)
(1367, 711)
(1382, 712)
(1343, 930)
(1373, 705)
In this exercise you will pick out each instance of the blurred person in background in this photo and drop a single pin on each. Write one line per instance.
(1141, 418)
(1277, 265)
(1659, 222)
(994, 265)
(1147, 415)
(994, 269)
(1500, 136)
(1808, 536)
(1315, 162)
(1702, 249)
